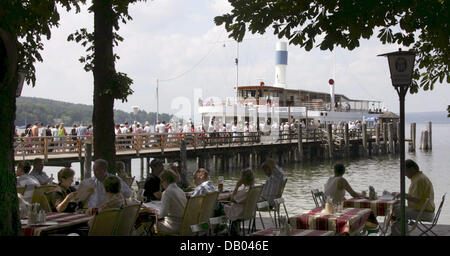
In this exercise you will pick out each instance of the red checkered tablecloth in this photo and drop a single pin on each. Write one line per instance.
(349, 221)
(294, 232)
(54, 221)
(379, 207)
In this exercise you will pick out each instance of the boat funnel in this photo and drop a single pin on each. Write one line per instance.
(281, 56)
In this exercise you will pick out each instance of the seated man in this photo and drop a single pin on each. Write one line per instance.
(204, 185)
(152, 186)
(420, 189)
(39, 174)
(99, 196)
(274, 181)
(337, 185)
(24, 179)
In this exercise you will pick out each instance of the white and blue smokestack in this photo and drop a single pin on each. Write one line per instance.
(281, 56)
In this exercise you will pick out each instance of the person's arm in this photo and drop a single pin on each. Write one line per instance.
(165, 200)
(343, 183)
(63, 205)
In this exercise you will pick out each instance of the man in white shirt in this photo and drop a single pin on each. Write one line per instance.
(274, 181)
(39, 174)
(24, 179)
(98, 196)
(147, 128)
(204, 185)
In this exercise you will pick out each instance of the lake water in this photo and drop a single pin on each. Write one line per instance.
(381, 172)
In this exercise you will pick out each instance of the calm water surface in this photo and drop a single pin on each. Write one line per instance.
(381, 172)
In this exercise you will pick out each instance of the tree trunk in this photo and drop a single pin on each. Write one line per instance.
(9, 213)
(103, 115)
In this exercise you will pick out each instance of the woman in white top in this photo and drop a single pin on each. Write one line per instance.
(337, 185)
(173, 202)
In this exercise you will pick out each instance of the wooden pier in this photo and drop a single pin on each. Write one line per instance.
(224, 150)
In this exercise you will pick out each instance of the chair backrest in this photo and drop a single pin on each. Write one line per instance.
(21, 190)
(419, 216)
(253, 196)
(318, 197)
(208, 206)
(438, 212)
(282, 187)
(39, 196)
(105, 223)
(191, 214)
(127, 219)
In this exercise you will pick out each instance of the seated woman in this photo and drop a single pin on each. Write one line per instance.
(337, 185)
(235, 209)
(115, 199)
(173, 202)
(62, 197)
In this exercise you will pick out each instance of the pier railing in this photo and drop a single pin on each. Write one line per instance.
(146, 142)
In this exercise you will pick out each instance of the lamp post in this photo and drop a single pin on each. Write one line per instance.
(401, 65)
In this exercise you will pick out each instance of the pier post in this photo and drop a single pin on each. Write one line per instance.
(391, 137)
(430, 146)
(364, 138)
(88, 160)
(330, 141)
(300, 143)
(377, 138)
(183, 154)
(82, 169)
(412, 143)
(347, 140)
(384, 148)
(424, 141)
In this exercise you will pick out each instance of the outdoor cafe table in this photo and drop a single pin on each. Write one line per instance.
(54, 221)
(348, 222)
(294, 232)
(379, 207)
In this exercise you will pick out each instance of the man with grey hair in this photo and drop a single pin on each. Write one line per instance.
(98, 196)
(274, 181)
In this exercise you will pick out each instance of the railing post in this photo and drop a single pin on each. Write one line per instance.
(45, 148)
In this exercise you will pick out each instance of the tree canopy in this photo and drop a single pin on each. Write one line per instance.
(421, 25)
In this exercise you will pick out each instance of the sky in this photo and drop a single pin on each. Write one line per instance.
(177, 43)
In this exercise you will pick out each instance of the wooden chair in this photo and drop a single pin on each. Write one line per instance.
(249, 213)
(190, 216)
(40, 196)
(105, 223)
(264, 206)
(208, 206)
(418, 217)
(318, 197)
(127, 219)
(426, 226)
